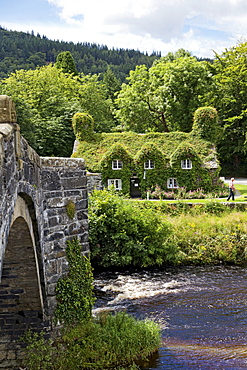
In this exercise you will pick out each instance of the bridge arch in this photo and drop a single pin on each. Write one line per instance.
(21, 294)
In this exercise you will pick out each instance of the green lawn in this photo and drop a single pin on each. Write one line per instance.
(242, 189)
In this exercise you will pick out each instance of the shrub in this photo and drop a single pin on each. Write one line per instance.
(83, 126)
(121, 234)
(181, 193)
(74, 291)
(206, 124)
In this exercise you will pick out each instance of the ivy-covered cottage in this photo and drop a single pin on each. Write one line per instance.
(137, 163)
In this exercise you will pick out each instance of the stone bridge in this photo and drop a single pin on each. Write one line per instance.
(34, 228)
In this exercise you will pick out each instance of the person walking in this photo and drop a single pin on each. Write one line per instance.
(231, 189)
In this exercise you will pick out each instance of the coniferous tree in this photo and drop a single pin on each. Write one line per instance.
(66, 63)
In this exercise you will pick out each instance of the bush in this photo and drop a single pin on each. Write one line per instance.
(74, 291)
(105, 342)
(83, 126)
(218, 191)
(121, 234)
(206, 124)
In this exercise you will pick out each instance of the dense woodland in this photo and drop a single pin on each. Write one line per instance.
(123, 90)
(20, 50)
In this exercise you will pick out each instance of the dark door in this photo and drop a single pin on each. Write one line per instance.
(135, 191)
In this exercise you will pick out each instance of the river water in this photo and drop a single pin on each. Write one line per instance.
(202, 312)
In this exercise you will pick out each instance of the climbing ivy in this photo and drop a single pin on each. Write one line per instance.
(206, 124)
(194, 178)
(119, 152)
(74, 291)
(150, 177)
(83, 126)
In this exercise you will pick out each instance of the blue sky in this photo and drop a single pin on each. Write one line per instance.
(146, 25)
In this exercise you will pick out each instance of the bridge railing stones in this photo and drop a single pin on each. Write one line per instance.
(63, 181)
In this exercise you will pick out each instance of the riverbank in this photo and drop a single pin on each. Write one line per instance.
(132, 233)
(205, 233)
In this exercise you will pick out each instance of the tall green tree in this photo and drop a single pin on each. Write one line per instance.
(112, 83)
(165, 96)
(66, 63)
(229, 97)
(47, 99)
(94, 101)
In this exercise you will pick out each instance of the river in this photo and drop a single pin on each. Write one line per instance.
(202, 312)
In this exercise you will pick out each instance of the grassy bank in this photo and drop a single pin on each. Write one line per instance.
(204, 233)
(138, 233)
(116, 342)
(209, 238)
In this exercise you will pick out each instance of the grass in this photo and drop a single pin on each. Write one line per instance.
(242, 190)
(209, 232)
(210, 238)
(116, 342)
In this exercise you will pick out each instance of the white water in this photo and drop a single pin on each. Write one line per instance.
(202, 313)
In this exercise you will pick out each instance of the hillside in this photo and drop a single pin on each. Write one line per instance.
(19, 50)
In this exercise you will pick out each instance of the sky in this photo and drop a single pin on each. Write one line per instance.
(198, 26)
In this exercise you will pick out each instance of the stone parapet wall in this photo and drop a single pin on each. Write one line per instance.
(94, 181)
(63, 183)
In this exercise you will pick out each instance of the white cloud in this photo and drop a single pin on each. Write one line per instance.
(149, 25)
(159, 25)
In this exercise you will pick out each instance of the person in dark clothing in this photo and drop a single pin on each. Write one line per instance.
(231, 189)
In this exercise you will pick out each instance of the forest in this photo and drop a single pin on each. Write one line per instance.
(20, 50)
(123, 90)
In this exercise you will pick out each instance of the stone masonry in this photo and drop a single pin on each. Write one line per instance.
(34, 228)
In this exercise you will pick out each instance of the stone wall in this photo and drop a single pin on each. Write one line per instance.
(94, 181)
(63, 182)
(34, 227)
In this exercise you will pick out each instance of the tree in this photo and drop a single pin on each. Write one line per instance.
(229, 97)
(94, 101)
(112, 84)
(49, 98)
(46, 100)
(66, 63)
(164, 97)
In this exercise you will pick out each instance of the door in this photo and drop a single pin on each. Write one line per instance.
(135, 191)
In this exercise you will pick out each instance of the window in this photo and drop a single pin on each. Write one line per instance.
(172, 183)
(149, 165)
(117, 183)
(117, 165)
(186, 164)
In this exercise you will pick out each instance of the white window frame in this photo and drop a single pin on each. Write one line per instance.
(186, 164)
(149, 165)
(117, 183)
(172, 183)
(117, 164)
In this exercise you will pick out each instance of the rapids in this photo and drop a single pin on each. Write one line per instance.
(202, 312)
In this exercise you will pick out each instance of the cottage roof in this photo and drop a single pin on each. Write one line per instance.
(93, 151)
